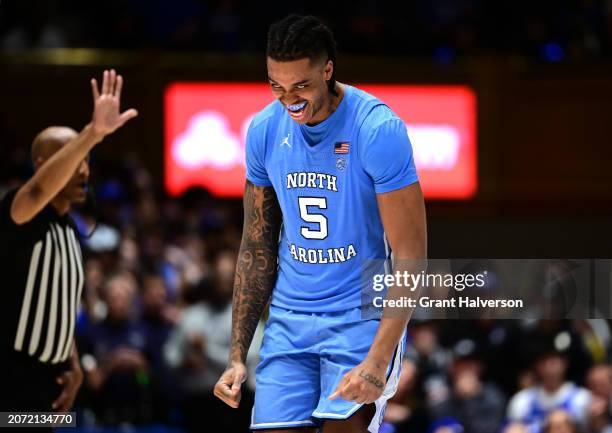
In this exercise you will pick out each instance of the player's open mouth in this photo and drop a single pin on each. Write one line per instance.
(296, 111)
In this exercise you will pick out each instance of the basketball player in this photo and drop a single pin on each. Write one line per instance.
(41, 262)
(330, 169)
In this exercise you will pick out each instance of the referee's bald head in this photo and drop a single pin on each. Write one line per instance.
(50, 140)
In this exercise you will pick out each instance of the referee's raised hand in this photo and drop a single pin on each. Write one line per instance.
(56, 167)
(106, 116)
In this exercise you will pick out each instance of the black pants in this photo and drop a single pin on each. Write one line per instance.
(29, 386)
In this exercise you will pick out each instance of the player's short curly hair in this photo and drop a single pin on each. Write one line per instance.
(298, 37)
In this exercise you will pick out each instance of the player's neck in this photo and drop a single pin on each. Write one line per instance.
(330, 105)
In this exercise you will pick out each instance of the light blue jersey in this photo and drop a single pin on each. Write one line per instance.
(326, 178)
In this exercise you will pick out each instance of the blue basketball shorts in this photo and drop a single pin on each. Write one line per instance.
(303, 359)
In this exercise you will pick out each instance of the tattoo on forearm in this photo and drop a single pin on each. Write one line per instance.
(257, 265)
(371, 379)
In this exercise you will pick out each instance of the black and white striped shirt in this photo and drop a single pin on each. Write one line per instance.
(42, 268)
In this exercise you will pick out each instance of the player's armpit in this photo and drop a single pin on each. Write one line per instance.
(256, 267)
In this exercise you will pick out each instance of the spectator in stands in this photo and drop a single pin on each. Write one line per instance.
(446, 425)
(406, 412)
(158, 320)
(113, 351)
(198, 350)
(515, 427)
(599, 382)
(431, 360)
(551, 390)
(536, 334)
(470, 397)
(559, 421)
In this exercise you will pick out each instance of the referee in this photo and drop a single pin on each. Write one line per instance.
(41, 264)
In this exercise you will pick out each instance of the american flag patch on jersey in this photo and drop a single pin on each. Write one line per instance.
(341, 147)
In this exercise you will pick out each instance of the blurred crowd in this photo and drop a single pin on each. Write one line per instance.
(494, 376)
(570, 30)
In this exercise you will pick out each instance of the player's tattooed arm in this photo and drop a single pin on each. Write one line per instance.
(256, 268)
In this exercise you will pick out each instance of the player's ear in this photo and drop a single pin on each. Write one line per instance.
(329, 70)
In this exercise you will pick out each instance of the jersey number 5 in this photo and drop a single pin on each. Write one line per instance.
(312, 217)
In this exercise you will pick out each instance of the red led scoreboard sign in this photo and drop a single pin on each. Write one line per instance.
(206, 125)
